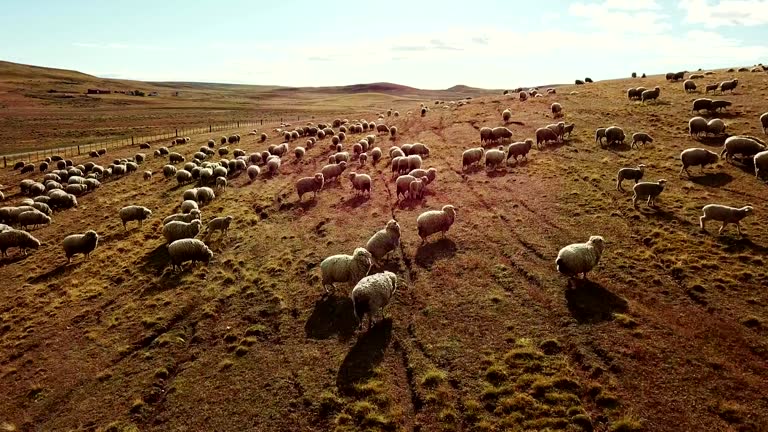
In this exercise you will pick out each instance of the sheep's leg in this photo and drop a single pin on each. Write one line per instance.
(701, 222)
(721, 228)
(738, 228)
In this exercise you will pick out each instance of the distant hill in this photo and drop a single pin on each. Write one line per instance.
(9, 70)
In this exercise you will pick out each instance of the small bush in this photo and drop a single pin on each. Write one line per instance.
(433, 378)
(626, 425)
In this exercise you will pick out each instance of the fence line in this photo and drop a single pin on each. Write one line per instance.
(85, 149)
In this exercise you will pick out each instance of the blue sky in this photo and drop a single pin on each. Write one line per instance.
(426, 44)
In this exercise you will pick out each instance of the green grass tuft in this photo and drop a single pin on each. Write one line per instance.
(433, 378)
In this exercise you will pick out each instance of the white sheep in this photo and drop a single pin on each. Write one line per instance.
(333, 171)
(273, 165)
(599, 135)
(253, 172)
(434, 221)
(471, 156)
(650, 94)
(746, 146)
(716, 126)
(697, 156)
(205, 195)
(427, 176)
(221, 182)
(345, 268)
(640, 137)
(188, 206)
(220, 224)
(629, 174)
(557, 110)
(32, 218)
(183, 217)
(494, 158)
(80, 244)
(310, 184)
(134, 213)
(761, 163)
(697, 126)
(764, 123)
(19, 239)
(648, 189)
(506, 115)
(725, 215)
(188, 249)
(520, 149)
(416, 188)
(580, 258)
(372, 294)
(176, 230)
(384, 241)
(361, 183)
(614, 135)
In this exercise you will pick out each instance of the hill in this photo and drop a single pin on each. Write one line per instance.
(668, 332)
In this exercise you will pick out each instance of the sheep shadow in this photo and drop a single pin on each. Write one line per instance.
(409, 204)
(734, 244)
(156, 261)
(331, 316)
(13, 259)
(365, 355)
(471, 169)
(521, 162)
(589, 302)
(719, 179)
(714, 141)
(497, 173)
(428, 254)
(306, 205)
(623, 147)
(552, 146)
(355, 201)
(56, 272)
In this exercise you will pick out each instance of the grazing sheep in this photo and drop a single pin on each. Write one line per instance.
(253, 171)
(220, 224)
(62, 200)
(188, 249)
(416, 188)
(273, 165)
(697, 156)
(134, 213)
(725, 215)
(567, 130)
(702, 104)
(761, 163)
(746, 146)
(486, 134)
(175, 158)
(629, 174)
(711, 88)
(310, 184)
(557, 110)
(689, 86)
(80, 244)
(471, 156)
(428, 175)
(18, 239)
(728, 85)
(183, 217)
(640, 137)
(545, 135)
(614, 135)
(19, 164)
(648, 189)
(506, 115)
(403, 184)
(360, 183)
(147, 175)
(32, 218)
(221, 182)
(599, 135)
(375, 155)
(434, 221)
(299, 152)
(43, 167)
(494, 158)
(580, 258)
(519, 149)
(41, 206)
(384, 241)
(719, 105)
(393, 131)
(650, 94)
(28, 168)
(176, 230)
(764, 123)
(333, 171)
(205, 195)
(500, 134)
(420, 149)
(371, 295)
(716, 127)
(345, 268)
(697, 126)
(633, 94)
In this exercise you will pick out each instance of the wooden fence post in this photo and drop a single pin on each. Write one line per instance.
(132, 140)
(177, 132)
(78, 150)
(5, 163)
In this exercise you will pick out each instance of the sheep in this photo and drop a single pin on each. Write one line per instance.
(33, 218)
(697, 156)
(375, 155)
(416, 188)
(728, 85)
(711, 88)
(764, 122)
(544, 135)
(689, 86)
(382, 128)
(310, 184)
(501, 133)
(175, 158)
(220, 224)
(188, 249)
(471, 156)
(599, 135)
(486, 134)
(134, 213)
(253, 171)
(428, 175)
(519, 149)
(371, 295)
(650, 94)
(62, 200)
(640, 137)
(147, 175)
(221, 182)
(403, 184)
(613, 135)
(745, 146)
(164, 151)
(648, 189)
(719, 105)
(392, 132)
(183, 217)
(333, 171)
(761, 163)
(19, 239)
(557, 110)
(629, 174)
(716, 127)
(420, 149)
(697, 126)
(43, 167)
(263, 137)
(523, 96)
(384, 241)
(506, 115)
(494, 158)
(725, 215)
(273, 165)
(19, 164)
(433, 221)
(580, 258)
(80, 244)
(176, 230)
(41, 206)
(205, 195)
(702, 104)
(360, 182)
(299, 152)
(28, 168)
(345, 268)
(567, 130)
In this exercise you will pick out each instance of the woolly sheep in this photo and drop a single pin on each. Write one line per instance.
(614, 134)
(697, 156)
(62, 200)
(471, 156)
(728, 85)
(220, 224)
(175, 158)
(345, 268)
(689, 86)
(80, 244)
(725, 215)
(501, 133)
(360, 182)
(188, 249)
(176, 230)
(599, 135)
(580, 258)
(32, 218)
(416, 188)
(134, 213)
(719, 105)
(205, 195)
(640, 137)
(761, 163)
(702, 104)
(273, 166)
(629, 174)
(485, 134)
(299, 152)
(544, 135)
(384, 241)
(434, 221)
(764, 123)
(403, 184)
(715, 127)
(413, 162)
(332, 171)
(428, 175)
(420, 149)
(375, 155)
(147, 175)
(221, 182)
(18, 239)
(557, 109)
(746, 146)
(371, 295)
(697, 126)
(506, 115)
(522, 95)
(650, 94)
(494, 158)
(183, 217)
(253, 171)
(310, 184)
(648, 189)
(519, 149)
(711, 88)
(41, 206)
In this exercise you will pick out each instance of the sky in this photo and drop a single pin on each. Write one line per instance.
(425, 44)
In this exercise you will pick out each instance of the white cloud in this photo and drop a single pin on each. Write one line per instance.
(632, 4)
(114, 45)
(726, 12)
(619, 16)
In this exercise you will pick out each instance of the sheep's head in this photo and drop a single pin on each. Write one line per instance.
(393, 226)
(747, 210)
(393, 279)
(597, 242)
(662, 182)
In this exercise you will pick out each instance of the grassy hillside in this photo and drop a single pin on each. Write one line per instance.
(483, 334)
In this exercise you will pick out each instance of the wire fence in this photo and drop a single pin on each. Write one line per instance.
(87, 148)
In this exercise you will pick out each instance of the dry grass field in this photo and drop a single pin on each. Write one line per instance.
(669, 333)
